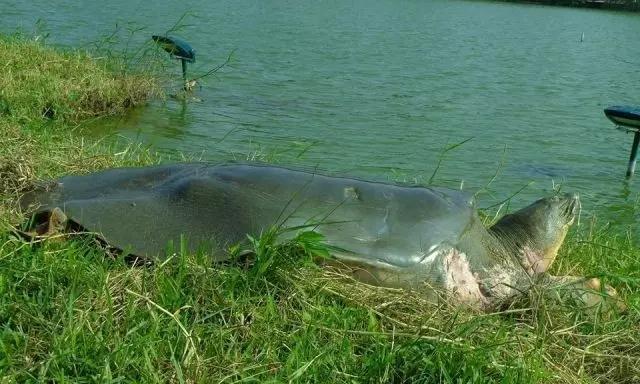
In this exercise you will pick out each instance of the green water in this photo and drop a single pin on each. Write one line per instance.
(378, 89)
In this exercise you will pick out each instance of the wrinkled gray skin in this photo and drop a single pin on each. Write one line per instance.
(386, 234)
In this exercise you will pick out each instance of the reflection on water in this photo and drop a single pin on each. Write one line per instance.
(378, 89)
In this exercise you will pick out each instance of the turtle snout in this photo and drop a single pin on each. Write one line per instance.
(572, 206)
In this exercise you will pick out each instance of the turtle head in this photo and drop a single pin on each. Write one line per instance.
(535, 233)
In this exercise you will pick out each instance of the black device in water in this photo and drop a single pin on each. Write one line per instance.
(178, 49)
(628, 118)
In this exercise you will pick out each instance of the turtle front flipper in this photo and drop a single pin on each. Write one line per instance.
(589, 293)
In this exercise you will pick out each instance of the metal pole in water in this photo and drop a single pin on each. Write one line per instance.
(184, 73)
(634, 155)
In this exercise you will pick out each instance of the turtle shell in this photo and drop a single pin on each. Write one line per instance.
(210, 207)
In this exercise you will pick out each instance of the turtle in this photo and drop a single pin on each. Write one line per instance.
(387, 234)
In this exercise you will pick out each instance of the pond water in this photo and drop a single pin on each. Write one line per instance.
(379, 89)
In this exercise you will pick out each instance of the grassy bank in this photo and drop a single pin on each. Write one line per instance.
(44, 95)
(68, 313)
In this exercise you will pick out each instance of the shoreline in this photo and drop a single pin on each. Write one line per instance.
(611, 5)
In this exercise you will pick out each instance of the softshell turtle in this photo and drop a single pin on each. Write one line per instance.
(391, 235)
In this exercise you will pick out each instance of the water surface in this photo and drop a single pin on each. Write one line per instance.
(378, 89)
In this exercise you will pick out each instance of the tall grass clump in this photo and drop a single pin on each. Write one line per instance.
(69, 313)
(40, 82)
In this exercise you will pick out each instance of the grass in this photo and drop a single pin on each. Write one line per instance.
(68, 86)
(70, 314)
(44, 95)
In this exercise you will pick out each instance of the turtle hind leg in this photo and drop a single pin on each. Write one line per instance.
(57, 223)
(45, 224)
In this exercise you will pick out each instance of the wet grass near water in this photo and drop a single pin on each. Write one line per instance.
(68, 313)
